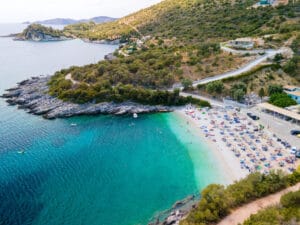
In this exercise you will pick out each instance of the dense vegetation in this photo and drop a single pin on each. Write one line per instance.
(292, 67)
(195, 20)
(130, 78)
(287, 212)
(104, 92)
(217, 201)
(279, 98)
(178, 37)
(153, 67)
(37, 28)
(282, 100)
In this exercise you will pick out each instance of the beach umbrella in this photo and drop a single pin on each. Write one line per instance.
(258, 167)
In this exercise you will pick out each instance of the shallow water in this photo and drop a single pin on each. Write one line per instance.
(106, 170)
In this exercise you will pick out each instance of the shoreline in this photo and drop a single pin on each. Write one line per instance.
(229, 166)
(244, 145)
(237, 144)
(31, 95)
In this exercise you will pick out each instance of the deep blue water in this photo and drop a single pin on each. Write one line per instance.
(106, 170)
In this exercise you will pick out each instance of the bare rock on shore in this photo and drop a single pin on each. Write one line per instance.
(177, 213)
(32, 95)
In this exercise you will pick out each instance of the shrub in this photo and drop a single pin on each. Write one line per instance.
(291, 199)
(215, 87)
(187, 84)
(274, 89)
(282, 100)
(217, 201)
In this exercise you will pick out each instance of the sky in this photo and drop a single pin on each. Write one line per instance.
(32, 10)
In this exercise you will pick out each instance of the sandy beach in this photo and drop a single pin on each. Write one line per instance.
(239, 144)
(227, 163)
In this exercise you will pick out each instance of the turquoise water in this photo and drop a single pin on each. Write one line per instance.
(106, 170)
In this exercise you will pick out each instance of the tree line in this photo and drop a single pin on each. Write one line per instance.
(217, 201)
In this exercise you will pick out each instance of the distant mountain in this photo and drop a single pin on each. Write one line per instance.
(99, 19)
(67, 21)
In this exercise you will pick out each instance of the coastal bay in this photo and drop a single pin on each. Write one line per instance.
(101, 169)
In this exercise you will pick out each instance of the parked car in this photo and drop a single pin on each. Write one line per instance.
(297, 154)
(295, 132)
(293, 151)
(252, 116)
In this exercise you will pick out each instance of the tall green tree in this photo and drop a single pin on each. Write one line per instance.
(215, 87)
(261, 92)
(275, 89)
(187, 84)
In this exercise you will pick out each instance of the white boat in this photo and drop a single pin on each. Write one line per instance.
(73, 124)
(21, 152)
(135, 115)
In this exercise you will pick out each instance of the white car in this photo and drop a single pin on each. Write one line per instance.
(293, 150)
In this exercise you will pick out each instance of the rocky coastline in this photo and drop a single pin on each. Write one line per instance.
(177, 213)
(32, 96)
(40, 38)
(105, 42)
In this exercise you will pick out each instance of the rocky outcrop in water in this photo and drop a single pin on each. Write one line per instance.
(39, 37)
(32, 95)
(37, 32)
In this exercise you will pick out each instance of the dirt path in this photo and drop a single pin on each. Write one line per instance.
(244, 212)
(69, 77)
(134, 28)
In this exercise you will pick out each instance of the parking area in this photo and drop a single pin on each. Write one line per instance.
(278, 126)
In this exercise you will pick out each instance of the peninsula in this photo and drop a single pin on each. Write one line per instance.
(30, 95)
(37, 32)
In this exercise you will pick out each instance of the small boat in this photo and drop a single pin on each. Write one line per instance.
(135, 115)
(73, 124)
(21, 152)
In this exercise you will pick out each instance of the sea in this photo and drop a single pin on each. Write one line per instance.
(106, 170)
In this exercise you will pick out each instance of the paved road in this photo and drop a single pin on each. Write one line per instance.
(246, 68)
(268, 54)
(244, 212)
(212, 101)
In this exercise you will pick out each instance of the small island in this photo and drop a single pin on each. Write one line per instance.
(39, 33)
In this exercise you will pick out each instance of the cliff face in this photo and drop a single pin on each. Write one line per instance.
(36, 32)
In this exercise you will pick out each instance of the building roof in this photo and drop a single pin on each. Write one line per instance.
(281, 111)
(295, 93)
(245, 39)
(290, 87)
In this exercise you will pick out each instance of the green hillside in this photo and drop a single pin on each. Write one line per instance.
(173, 41)
(195, 20)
